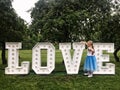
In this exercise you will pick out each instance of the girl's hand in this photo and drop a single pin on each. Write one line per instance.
(84, 42)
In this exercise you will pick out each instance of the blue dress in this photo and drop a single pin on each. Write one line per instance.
(90, 63)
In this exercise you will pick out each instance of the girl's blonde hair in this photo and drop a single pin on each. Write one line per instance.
(91, 42)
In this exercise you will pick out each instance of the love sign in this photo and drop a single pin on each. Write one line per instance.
(71, 64)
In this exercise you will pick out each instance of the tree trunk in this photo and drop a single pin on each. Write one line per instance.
(4, 61)
(115, 54)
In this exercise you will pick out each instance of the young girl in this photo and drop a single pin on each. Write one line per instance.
(90, 64)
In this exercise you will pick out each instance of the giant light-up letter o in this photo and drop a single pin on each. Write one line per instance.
(36, 58)
(13, 60)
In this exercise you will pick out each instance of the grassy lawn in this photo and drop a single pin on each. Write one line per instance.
(58, 79)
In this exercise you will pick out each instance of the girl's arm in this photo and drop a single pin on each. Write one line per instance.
(92, 50)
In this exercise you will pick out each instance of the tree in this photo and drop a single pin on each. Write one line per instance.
(69, 20)
(11, 26)
(116, 27)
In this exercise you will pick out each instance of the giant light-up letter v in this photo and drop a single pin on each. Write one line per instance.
(72, 64)
(13, 60)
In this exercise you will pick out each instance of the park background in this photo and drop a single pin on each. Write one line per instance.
(59, 21)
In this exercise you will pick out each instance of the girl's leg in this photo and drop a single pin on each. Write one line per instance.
(86, 72)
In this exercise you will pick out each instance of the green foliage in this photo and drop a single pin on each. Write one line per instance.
(11, 26)
(110, 31)
(70, 20)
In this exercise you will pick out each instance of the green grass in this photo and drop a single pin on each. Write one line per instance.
(58, 79)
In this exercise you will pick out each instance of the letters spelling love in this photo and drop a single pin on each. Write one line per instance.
(72, 65)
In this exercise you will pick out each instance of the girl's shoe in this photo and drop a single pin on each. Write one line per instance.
(90, 75)
(85, 74)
